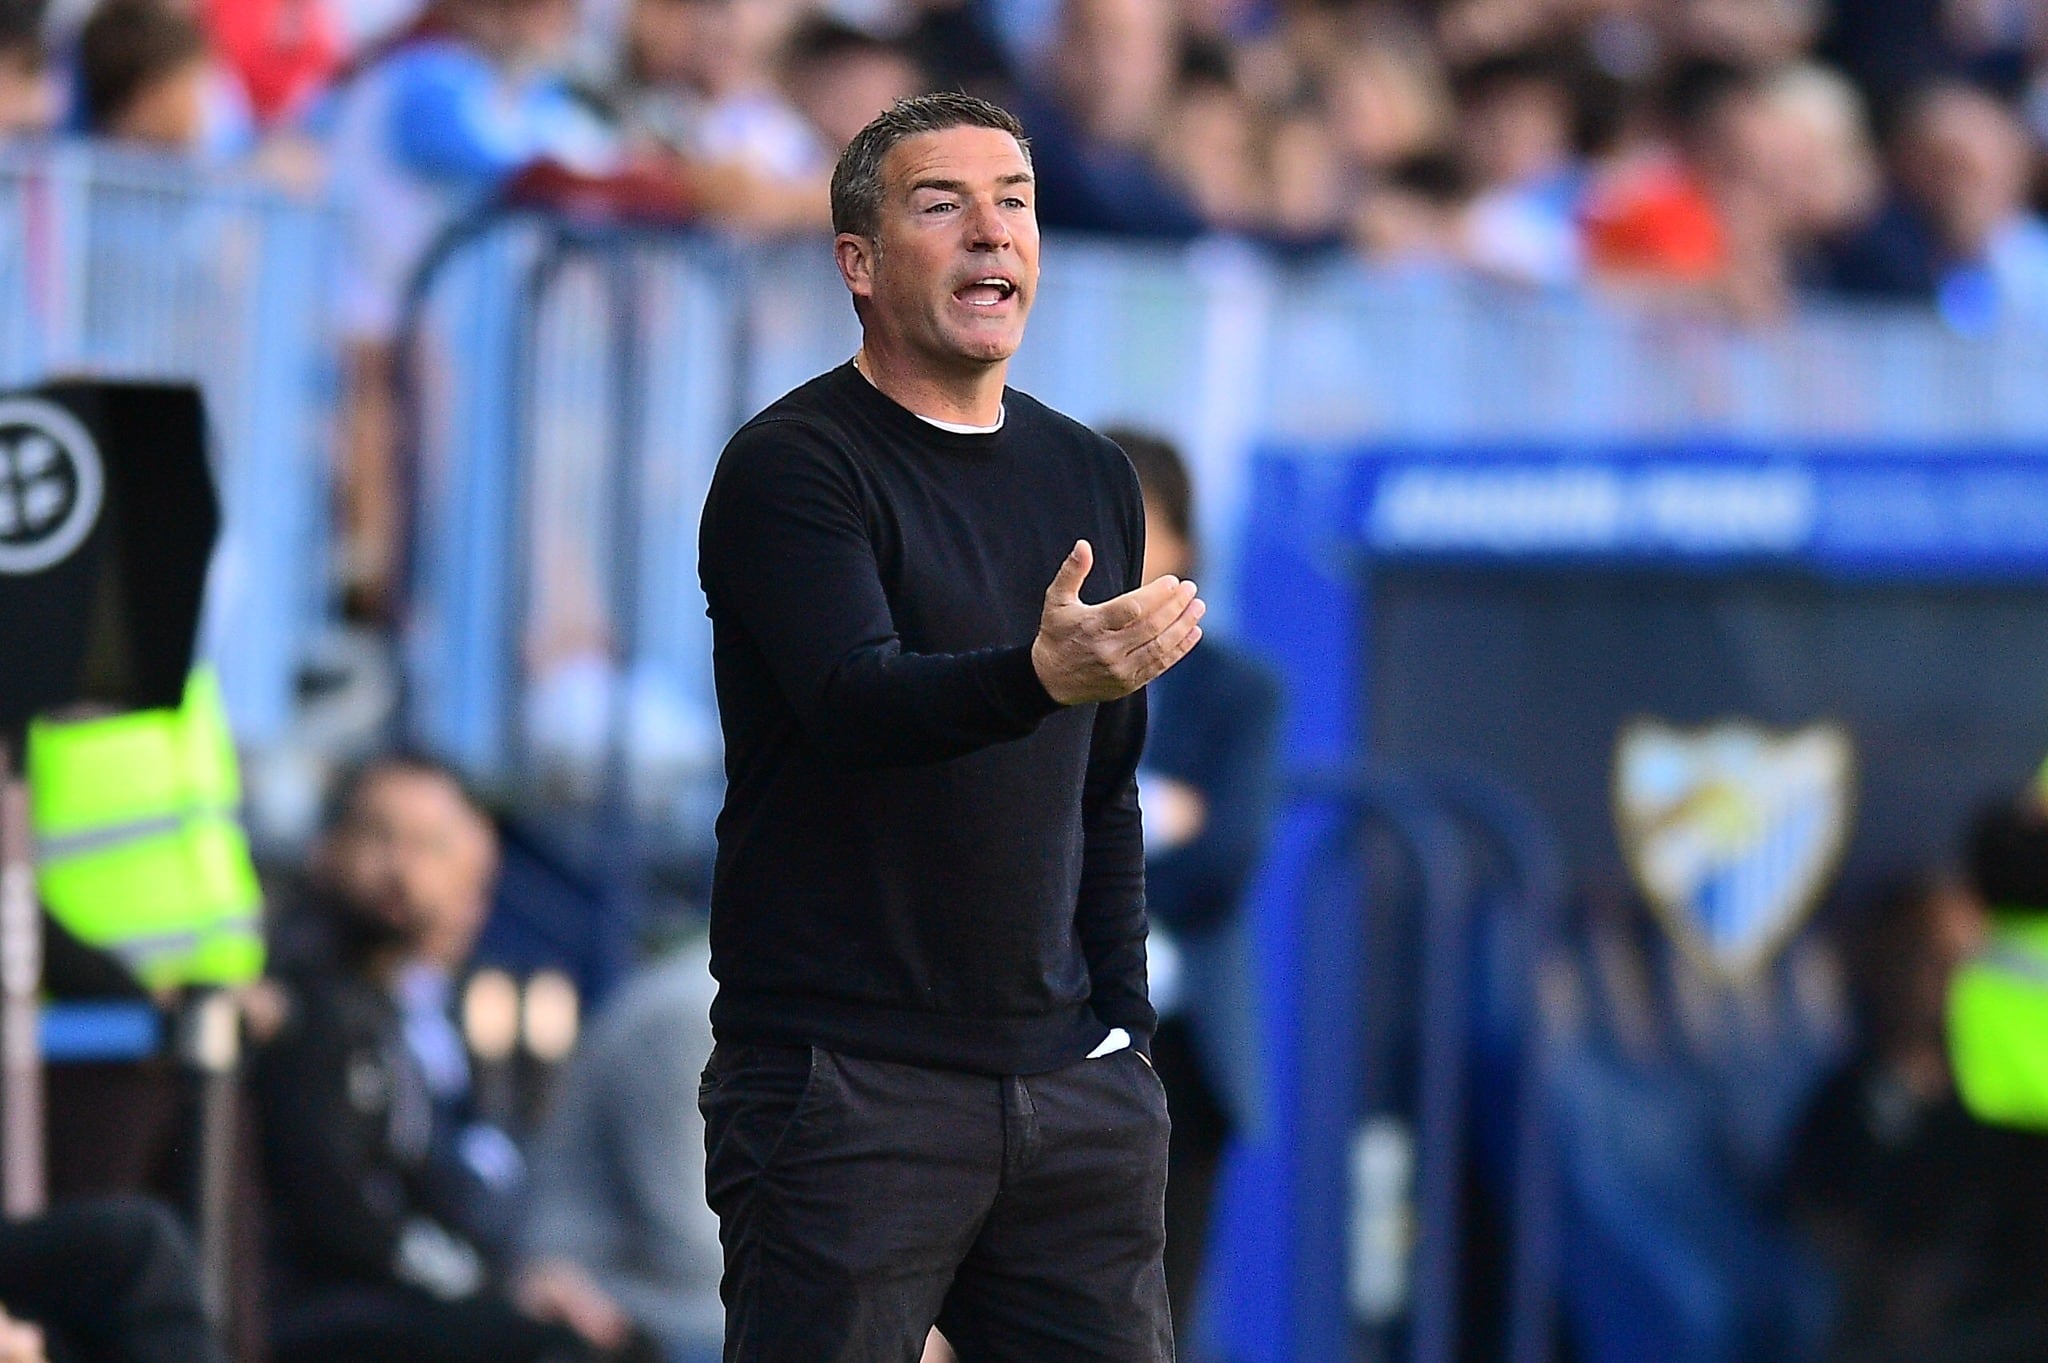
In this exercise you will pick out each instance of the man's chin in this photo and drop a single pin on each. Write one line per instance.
(988, 350)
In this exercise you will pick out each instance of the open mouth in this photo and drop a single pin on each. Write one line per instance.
(987, 292)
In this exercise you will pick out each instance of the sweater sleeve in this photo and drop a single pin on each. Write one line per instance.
(787, 560)
(1110, 908)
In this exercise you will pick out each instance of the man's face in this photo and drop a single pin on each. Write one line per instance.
(415, 858)
(951, 271)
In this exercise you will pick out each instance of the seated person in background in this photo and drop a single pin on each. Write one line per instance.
(1936, 1225)
(101, 1280)
(377, 1255)
(452, 897)
(618, 1235)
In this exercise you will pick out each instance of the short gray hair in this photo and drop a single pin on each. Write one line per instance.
(857, 179)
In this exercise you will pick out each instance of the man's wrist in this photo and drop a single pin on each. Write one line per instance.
(1024, 686)
(1043, 668)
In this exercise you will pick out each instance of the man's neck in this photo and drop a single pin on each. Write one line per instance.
(967, 398)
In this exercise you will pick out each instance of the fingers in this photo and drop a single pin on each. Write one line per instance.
(1171, 608)
(1173, 644)
(1066, 583)
(1164, 596)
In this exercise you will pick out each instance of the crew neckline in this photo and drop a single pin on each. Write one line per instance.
(952, 428)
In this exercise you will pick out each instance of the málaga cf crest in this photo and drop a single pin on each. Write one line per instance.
(1732, 831)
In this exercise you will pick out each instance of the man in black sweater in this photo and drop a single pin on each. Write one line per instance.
(930, 1098)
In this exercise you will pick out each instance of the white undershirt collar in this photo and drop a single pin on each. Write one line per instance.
(955, 427)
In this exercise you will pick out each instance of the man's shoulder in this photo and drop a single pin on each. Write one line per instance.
(816, 402)
(1040, 422)
(809, 417)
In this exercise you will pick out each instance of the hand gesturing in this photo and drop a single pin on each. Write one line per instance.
(1096, 653)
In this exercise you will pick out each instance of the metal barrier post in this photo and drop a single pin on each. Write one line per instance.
(1335, 966)
(23, 1181)
(1536, 871)
(210, 1044)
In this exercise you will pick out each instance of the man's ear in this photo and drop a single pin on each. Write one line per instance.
(856, 259)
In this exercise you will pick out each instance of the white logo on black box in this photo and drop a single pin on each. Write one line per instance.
(51, 485)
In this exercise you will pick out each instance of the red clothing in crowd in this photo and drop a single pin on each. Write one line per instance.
(1655, 220)
(283, 50)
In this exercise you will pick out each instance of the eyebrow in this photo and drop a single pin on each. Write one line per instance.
(1015, 177)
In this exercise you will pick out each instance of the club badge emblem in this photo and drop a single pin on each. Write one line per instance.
(1733, 831)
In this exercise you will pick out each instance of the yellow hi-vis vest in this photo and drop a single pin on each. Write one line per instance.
(1998, 1026)
(138, 849)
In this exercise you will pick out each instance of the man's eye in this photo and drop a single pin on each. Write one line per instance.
(942, 206)
(1013, 202)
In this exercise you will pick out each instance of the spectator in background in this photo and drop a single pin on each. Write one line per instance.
(1415, 219)
(1515, 131)
(839, 77)
(1959, 232)
(1936, 1225)
(143, 73)
(1706, 216)
(1207, 789)
(701, 86)
(1308, 207)
(618, 1235)
(1650, 215)
(29, 99)
(424, 133)
(1384, 95)
(1207, 146)
(1832, 168)
(1892, 48)
(377, 1253)
(1099, 115)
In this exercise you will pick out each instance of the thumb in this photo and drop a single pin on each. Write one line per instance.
(1066, 583)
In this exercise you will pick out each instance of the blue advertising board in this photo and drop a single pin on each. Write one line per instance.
(1508, 606)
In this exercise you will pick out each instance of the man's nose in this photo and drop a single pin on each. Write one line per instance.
(985, 227)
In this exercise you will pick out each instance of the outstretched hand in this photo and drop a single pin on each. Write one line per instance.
(1098, 653)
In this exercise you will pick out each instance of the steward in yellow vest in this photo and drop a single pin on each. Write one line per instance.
(139, 850)
(1998, 1002)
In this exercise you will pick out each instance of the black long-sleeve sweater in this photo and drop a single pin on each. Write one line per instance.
(922, 857)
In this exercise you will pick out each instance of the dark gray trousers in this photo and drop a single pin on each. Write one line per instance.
(860, 1201)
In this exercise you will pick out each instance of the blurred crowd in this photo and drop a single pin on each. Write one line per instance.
(1731, 154)
(1734, 159)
